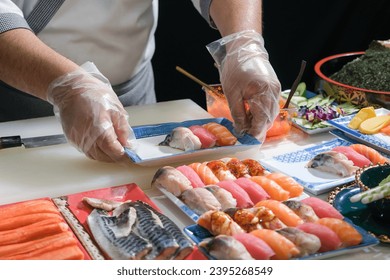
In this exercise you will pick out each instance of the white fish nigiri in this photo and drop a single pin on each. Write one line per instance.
(200, 200)
(172, 180)
(182, 138)
(333, 162)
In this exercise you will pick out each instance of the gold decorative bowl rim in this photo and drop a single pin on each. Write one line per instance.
(360, 171)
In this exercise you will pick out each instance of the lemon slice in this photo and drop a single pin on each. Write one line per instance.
(373, 125)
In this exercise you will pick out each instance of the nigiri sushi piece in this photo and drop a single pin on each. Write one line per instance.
(224, 247)
(286, 182)
(285, 214)
(171, 179)
(220, 170)
(255, 218)
(284, 249)
(224, 197)
(190, 173)
(218, 222)
(306, 243)
(333, 162)
(348, 235)
(200, 200)
(329, 239)
(241, 196)
(182, 138)
(357, 159)
(205, 173)
(207, 139)
(255, 192)
(374, 156)
(304, 211)
(254, 167)
(322, 208)
(274, 190)
(256, 247)
(237, 168)
(224, 136)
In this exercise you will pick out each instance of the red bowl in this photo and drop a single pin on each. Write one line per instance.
(346, 93)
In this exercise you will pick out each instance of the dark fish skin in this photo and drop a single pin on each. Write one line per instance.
(185, 245)
(166, 141)
(149, 226)
(129, 247)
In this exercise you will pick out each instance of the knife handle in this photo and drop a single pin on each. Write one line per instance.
(10, 141)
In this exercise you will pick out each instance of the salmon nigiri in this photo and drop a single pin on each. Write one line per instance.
(274, 190)
(348, 235)
(285, 214)
(374, 156)
(224, 136)
(286, 182)
(284, 249)
(205, 173)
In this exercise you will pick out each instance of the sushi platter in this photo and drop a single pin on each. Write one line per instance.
(148, 152)
(378, 141)
(314, 181)
(199, 234)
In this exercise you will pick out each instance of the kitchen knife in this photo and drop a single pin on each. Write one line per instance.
(32, 142)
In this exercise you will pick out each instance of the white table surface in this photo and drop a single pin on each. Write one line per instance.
(61, 170)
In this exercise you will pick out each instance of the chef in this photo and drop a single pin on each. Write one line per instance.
(87, 59)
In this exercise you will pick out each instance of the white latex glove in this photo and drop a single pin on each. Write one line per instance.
(92, 117)
(248, 81)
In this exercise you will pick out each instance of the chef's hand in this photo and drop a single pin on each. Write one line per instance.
(92, 117)
(248, 81)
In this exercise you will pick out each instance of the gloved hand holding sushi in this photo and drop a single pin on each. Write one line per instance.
(92, 117)
(248, 80)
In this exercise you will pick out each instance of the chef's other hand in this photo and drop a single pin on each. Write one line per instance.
(248, 81)
(92, 117)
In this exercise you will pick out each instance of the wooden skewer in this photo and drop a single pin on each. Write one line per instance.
(195, 79)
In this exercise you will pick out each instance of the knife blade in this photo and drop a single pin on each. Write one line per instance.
(31, 142)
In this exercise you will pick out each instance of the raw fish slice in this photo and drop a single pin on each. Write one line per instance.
(224, 247)
(271, 187)
(104, 204)
(306, 243)
(130, 247)
(284, 249)
(304, 211)
(241, 196)
(223, 196)
(224, 136)
(185, 245)
(257, 247)
(255, 218)
(200, 200)
(206, 175)
(357, 159)
(171, 179)
(255, 192)
(207, 139)
(322, 208)
(182, 138)
(285, 214)
(218, 222)
(254, 167)
(287, 183)
(191, 175)
(329, 239)
(333, 162)
(220, 170)
(238, 168)
(374, 156)
(150, 226)
(348, 235)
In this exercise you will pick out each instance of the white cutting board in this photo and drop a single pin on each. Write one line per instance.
(59, 170)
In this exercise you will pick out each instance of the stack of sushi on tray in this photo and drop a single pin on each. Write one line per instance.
(254, 214)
